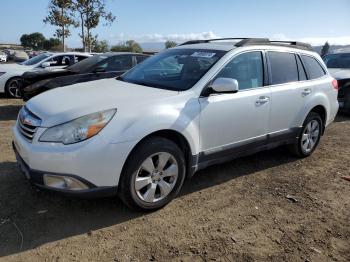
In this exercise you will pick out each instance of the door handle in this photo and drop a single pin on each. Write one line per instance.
(306, 91)
(262, 100)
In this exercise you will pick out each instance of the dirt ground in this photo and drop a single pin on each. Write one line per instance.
(238, 211)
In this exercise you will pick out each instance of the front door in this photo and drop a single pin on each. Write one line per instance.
(239, 121)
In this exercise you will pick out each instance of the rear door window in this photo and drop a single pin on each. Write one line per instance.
(313, 68)
(283, 68)
(62, 60)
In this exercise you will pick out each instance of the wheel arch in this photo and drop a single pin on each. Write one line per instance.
(174, 136)
(321, 110)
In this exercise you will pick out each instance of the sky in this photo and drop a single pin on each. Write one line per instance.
(312, 21)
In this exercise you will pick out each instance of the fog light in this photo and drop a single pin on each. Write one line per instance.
(63, 182)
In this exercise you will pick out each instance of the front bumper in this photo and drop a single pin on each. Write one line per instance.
(94, 162)
(36, 178)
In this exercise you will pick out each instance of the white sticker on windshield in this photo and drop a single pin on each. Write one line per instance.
(203, 54)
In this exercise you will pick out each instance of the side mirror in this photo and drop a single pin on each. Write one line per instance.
(224, 85)
(45, 64)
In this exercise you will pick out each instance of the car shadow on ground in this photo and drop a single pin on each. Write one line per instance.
(9, 112)
(30, 217)
(342, 117)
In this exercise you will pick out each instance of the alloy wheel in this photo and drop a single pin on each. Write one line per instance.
(13, 88)
(310, 136)
(156, 177)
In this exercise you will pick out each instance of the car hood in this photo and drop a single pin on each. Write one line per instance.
(339, 73)
(67, 103)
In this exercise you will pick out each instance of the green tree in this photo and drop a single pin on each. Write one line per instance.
(60, 15)
(100, 46)
(325, 49)
(90, 13)
(170, 44)
(128, 46)
(34, 41)
(52, 43)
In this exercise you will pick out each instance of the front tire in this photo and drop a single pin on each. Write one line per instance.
(153, 175)
(309, 136)
(12, 87)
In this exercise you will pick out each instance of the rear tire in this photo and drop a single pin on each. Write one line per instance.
(12, 87)
(309, 136)
(153, 174)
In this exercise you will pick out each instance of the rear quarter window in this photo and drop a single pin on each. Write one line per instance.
(313, 68)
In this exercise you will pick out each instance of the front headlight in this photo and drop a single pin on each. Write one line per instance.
(79, 129)
(1, 73)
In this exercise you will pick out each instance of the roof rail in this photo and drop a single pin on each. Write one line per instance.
(191, 42)
(294, 44)
(254, 41)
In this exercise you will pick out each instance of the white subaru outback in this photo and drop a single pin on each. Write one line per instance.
(199, 104)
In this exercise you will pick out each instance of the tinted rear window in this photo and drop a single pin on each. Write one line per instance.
(283, 68)
(313, 68)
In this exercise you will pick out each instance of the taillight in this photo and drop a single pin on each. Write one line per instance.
(335, 84)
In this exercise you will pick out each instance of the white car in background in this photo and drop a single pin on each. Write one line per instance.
(198, 104)
(3, 57)
(10, 74)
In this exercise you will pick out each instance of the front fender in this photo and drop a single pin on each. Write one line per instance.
(180, 117)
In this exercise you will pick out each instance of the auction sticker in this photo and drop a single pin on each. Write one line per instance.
(203, 54)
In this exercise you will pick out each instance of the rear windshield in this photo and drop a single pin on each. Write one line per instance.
(174, 69)
(337, 60)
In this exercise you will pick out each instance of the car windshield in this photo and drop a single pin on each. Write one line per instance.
(85, 65)
(36, 59)
(174, 69)
(337, 60)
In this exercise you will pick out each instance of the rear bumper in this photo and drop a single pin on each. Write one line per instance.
(36, 178)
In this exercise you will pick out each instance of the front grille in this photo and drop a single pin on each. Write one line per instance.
(27, 131)
(28, 124)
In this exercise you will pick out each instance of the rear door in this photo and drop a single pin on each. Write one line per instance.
(286, 95)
